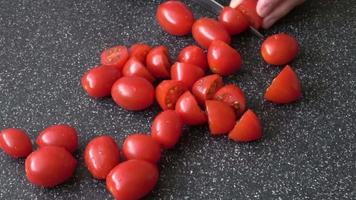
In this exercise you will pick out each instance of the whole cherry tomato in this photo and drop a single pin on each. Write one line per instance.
(167, 128)
(279, 49)
(221, 117)
(167, 93)
(248, 8)
(101, 155)
(133, 93)
(233, 20)
(158, 62)
(194, 55)
(206, 87)
(134, 67)
(132, 179)
(140, 51)
(97, 82)
(188, 109)
(15, 142)
(206, 30)
(285, 88)
(60, 135)
(141, 147)
(187, 73)
(232, 95)
(247, 129)
(115, 56)
(223, 59)
(50, 166)
(175, 18)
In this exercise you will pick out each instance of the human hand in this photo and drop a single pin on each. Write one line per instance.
(271, 10)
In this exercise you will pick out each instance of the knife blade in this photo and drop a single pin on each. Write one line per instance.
(216, 7)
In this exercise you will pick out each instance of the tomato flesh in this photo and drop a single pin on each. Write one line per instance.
(158, 62)
(134, 67)
(234, 96)
(247, 129)
(285, 88)
(187, 73)
(188, 109)
(167, 93)
(233, 20)
(221, 117)
(248, 8)
(115, 56)
(206, 87)
(15, 142)
(132, 179)
(194, 55)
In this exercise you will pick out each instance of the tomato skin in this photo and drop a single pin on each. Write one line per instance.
(247, 129)
(61, 135)
(206, 87)
(158, 62)
(140, 51)
(115, 56)
(134, 67)
(167, 128)
(132, 179)
(206, 30)
(221, 117)
(15, 142)
(234, 96)
(133, 93)
(175, 18)
(223, 59)
(248, 8)
(50, 166)
(285, 88)
(279, 49)
(101, 155)
(187, 73)
(194, 55)
(188, 109)
(97, 82)
(141, 147)
(167, 93)
(233, 20)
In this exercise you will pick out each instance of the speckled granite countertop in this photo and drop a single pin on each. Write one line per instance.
(307, 152)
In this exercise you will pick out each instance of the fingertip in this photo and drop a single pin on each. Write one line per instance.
(235, 3)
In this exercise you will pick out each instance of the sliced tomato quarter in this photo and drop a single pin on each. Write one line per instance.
(221, 117)
(134, 67)
(187, 73)
(247, 129)
(158, 62)
(115, 56)
(187, 107)
(234, 96)
(140, 51)
(168, 92)
(206, 87)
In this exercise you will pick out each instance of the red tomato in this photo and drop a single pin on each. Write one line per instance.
(132, 179)
(285, 88)
(134, 67)
(206, 87)
(247, 129)
(187, 73)
(206, 30)
(221, 117)
(233, 20)
(187, 107)
(167, 128)
(50, 166)
(234, 96)
(133, 93)
(279, 49)
(194, 55)
(15, 142)
(175, 18)
(223, 59)
(97, 82)
(167, 93)
(101, 155)
(140, 51)
(158, 62)
(248, 8)
(115, 56)
(61, 135)
(141, 147)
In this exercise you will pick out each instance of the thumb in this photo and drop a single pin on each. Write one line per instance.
(235, 3)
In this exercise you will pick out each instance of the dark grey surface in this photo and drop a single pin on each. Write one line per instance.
(308, 148)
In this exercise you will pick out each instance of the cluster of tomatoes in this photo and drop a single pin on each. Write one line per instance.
(186, 94)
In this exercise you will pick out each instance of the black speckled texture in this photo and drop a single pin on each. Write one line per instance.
(308, 149)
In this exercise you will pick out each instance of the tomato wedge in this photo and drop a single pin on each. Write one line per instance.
(206, 87)
(248, 8)
(221, 117)
(187, 107)
(167, 93)
(158, 62)
(247, 129)
(285, 88)
(134, 67)
(115, 56)
(234, 96)
(187, 73)
(140, 51)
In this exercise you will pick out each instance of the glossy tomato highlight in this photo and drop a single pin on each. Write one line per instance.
(141, 147)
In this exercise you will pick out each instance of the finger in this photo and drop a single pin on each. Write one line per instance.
(283, 9)
(265, 7)
(235, 3)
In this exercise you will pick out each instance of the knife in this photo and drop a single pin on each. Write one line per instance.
(217, 7)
